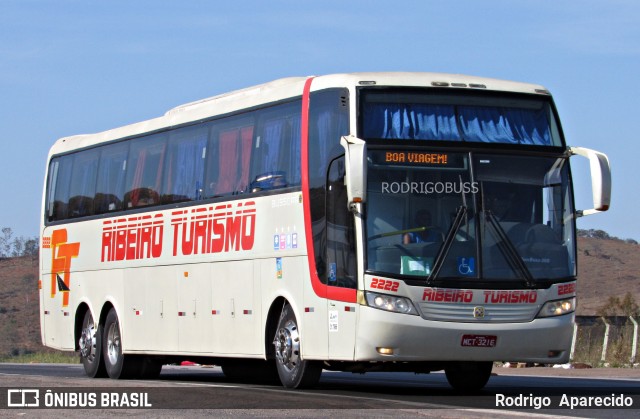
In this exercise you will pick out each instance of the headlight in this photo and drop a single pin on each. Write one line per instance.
(558, 307)
(390, 303)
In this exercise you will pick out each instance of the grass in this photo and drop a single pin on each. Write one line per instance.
(43, 358)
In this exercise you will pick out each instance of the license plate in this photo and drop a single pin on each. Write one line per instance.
(479, 341)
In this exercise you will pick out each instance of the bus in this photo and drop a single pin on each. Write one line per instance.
(359, 222)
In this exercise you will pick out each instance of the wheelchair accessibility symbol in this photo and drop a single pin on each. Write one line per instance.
(467, 266)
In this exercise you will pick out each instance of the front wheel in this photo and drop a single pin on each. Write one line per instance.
(117, 364)
(294, 372)
(90, 344)
(468, 376)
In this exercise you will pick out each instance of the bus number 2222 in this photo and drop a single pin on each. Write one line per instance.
(383, 284)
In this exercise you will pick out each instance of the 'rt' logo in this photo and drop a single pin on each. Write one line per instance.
(61, 255)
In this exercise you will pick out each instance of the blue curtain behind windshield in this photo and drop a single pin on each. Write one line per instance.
(500, 125)
(476, 124)
(411, 122)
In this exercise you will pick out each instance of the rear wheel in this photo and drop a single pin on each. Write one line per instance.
(468, 376)
(294, 372)
(117, 364)
(90, 344)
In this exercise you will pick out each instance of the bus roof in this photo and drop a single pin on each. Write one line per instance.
(282, 89)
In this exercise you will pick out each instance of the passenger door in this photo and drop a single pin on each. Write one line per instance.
(341, 263)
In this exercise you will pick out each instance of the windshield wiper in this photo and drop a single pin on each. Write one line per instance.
(509, 251)
(448, 241)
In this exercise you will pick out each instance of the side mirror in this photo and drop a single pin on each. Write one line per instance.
(356, 168)
(600, 179)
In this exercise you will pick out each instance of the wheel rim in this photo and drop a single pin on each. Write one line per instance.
(87, 341)
(113, 343)
(287, 344)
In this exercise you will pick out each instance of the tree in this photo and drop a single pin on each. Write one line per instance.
(11, 246)
(31, 247)
(5, 242)
(17, 247)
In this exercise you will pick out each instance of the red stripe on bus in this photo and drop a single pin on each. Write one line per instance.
(321, 290)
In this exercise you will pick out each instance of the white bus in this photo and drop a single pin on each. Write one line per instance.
(352, 222)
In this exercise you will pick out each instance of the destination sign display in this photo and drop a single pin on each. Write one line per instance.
(417, 158)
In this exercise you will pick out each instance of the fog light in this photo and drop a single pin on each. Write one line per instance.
(385, 351)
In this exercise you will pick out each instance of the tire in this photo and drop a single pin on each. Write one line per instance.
(294, 372)
(469, 377)
(90, 343)
(254, 371)
(118, 365)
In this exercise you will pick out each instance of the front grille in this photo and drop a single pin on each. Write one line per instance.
(502, 313)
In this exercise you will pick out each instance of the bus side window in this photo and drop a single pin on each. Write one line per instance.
(59, 183)
(144, 172)
(228, 171)
(184, 173)
(111, 177)
(328, 121)
(276, 162)
(83, 183)
(341, 257)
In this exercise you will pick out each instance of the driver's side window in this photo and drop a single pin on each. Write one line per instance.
(341, 255)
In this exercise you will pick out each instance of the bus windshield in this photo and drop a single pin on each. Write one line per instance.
(427, 115)
(463, 216)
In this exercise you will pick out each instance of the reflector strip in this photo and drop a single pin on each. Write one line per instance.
(247, 311)
(214, 312)
(182, 313)
(352, 309)
(308, 310)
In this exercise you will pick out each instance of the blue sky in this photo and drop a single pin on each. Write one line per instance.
(72, 67)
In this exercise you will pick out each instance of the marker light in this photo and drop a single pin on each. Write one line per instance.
(558, 307)
(385, 351)
(390, 303)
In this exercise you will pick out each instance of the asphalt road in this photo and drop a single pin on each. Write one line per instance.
(196, 391)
